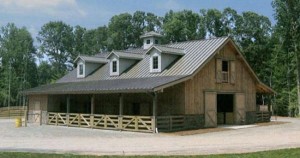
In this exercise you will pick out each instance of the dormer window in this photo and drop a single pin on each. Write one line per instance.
(155, 62)
(114, 66)
(156, 41)
(114, 70)
(148, 41)
(80, 69)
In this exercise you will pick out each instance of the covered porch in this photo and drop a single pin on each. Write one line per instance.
(130, 112)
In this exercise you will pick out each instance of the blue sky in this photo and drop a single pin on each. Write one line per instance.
(93, 13)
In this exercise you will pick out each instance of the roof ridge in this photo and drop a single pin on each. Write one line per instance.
(212, 38)
(168, 47)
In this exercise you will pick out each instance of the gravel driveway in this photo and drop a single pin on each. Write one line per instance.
(54, 139)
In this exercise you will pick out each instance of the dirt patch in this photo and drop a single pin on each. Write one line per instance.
(271, 123)
(198, 131)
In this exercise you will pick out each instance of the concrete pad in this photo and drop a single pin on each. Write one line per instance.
(236, 126)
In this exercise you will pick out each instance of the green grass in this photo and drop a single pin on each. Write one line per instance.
(284, 153)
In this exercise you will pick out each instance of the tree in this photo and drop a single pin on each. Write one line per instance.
(287, 14)
(181, 26)
(120, 32)
(56, 39)
(18, 66)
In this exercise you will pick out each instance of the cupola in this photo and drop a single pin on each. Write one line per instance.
(150, 38)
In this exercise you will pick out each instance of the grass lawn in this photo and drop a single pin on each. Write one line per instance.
(284, 153)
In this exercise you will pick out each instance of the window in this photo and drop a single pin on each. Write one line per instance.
(225, 68)
(148, 41)
(80, 69)
(155, 62)
(156, 41)
(114, 66)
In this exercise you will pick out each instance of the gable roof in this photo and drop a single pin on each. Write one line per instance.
(196, 54)
(105, 86)
(167, 50)
(91, 59)
(151, 34)
(127, 55)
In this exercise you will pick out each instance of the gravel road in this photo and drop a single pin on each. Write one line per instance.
(52, 139)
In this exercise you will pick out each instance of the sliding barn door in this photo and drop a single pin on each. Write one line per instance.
(239, 113)
(210, 109)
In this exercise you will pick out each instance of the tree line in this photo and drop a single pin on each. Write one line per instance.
(272, 51)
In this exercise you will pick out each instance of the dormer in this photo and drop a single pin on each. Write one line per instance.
(150, 38)
(86, 65)
(161, 57)
(120, 62)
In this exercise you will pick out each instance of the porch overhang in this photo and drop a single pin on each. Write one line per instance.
(264, 89)
(133, 85)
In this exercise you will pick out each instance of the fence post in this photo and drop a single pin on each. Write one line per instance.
(136, 124)
(41, 119)
(105, 121)
(120, 123)
(25, 117)
(67, 119)
(56, 119)
(92, 121)
(79, 120)
(153, 121)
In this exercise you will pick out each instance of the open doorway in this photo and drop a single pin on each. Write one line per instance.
(225, 109)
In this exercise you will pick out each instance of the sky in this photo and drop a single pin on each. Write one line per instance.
(33, 14)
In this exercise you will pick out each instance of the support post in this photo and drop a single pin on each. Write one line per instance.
(25, 117)
(92, 111)
(121, 106)
(93, 104)
(154, 112)
(68, 111)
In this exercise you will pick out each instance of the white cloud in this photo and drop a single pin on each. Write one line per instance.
(169, 4)
(56, 8)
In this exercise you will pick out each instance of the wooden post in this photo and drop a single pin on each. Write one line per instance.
(121, 106)
(121, 101)
(154, 111)
(25, 118)
(68, 110)
(41, 117)
(92, 121)
(93, 104)
(136, 123)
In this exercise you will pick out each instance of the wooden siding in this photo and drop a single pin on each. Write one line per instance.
(171, 101)
(205, 80)
(38, 102)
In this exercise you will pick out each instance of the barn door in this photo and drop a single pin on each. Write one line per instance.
(239, 113)
(210, 109)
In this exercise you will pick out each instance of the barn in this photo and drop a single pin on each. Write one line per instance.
(176, 86)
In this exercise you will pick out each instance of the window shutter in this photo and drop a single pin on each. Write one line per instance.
(219, 70)
(232, 72)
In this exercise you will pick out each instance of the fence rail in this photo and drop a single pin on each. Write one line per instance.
(127, 123)
(12, 112)
(263, 116)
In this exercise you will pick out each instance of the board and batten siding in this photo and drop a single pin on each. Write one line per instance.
(206, 80)
(38, 102)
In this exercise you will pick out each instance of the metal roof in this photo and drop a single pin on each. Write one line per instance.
(105, 86)
(168, 50)
(196, 54)
(127, 55)
(91, 59)
(151, 34)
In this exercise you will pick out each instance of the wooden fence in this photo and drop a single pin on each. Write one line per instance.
(12, 112)
(263, 116)
(180, 122)
(115, 122)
